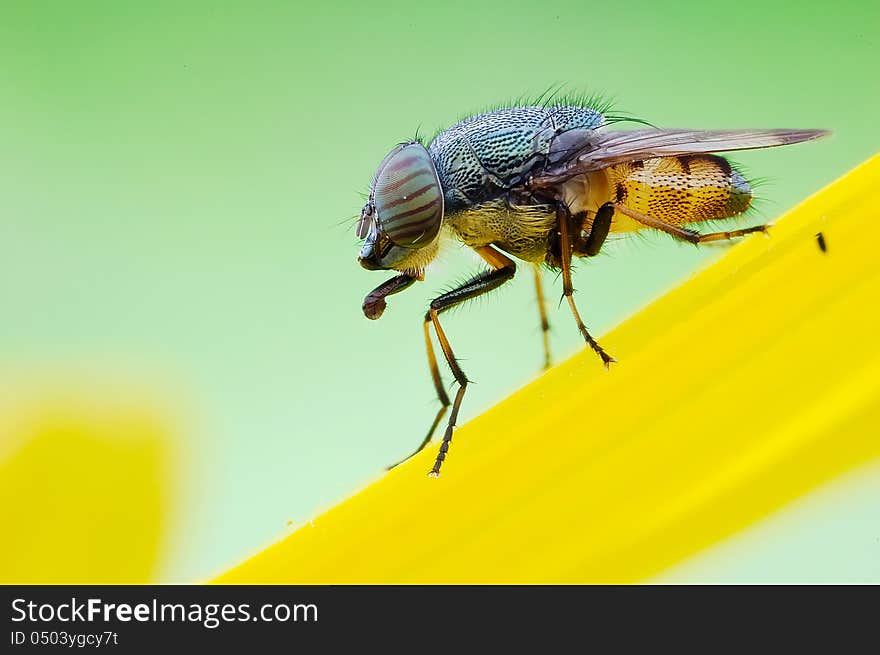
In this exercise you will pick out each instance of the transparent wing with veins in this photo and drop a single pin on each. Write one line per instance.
(597, 150)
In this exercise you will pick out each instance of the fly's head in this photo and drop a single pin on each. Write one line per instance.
(401, 221)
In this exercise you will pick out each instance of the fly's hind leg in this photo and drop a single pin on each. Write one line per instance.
(691, 236)
(503, 269)
(563, 216)
(724, 236)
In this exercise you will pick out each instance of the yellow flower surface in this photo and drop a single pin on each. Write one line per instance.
(745, 387)
(83, 492)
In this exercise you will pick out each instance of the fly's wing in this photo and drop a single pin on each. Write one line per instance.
(603, 149)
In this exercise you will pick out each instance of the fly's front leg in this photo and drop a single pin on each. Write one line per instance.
(374, 304)
(503, 270)
(563, 218)
(691, 236)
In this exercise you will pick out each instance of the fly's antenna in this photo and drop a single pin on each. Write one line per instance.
(349, 222)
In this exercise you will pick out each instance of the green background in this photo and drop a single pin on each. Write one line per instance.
(177, 181)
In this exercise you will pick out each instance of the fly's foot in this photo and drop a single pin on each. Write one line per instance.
(444, 448)
(727, 236)
(763, 229)
(435, 472)
(607, 359)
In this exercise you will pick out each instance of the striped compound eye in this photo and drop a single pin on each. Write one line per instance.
(407, 197)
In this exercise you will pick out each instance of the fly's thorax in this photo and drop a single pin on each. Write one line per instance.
(490, 153)
(402, 219)
(521, 230)
(681, 190)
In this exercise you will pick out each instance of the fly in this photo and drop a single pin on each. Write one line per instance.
(541, 184)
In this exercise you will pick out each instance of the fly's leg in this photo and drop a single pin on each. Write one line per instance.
(459, 376)
(592, 244)
(723, 236)
(374, 303)
(563, 216)
(682, 233)
(438, 387)
(503, 269)
(542, 310)
(588, 246)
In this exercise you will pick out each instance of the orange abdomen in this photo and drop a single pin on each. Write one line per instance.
(681, 190)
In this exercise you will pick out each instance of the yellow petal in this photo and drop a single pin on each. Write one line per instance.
(747, 386)
(82, 492)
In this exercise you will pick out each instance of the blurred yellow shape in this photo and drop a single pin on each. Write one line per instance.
(748, 385)
(82, 493)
